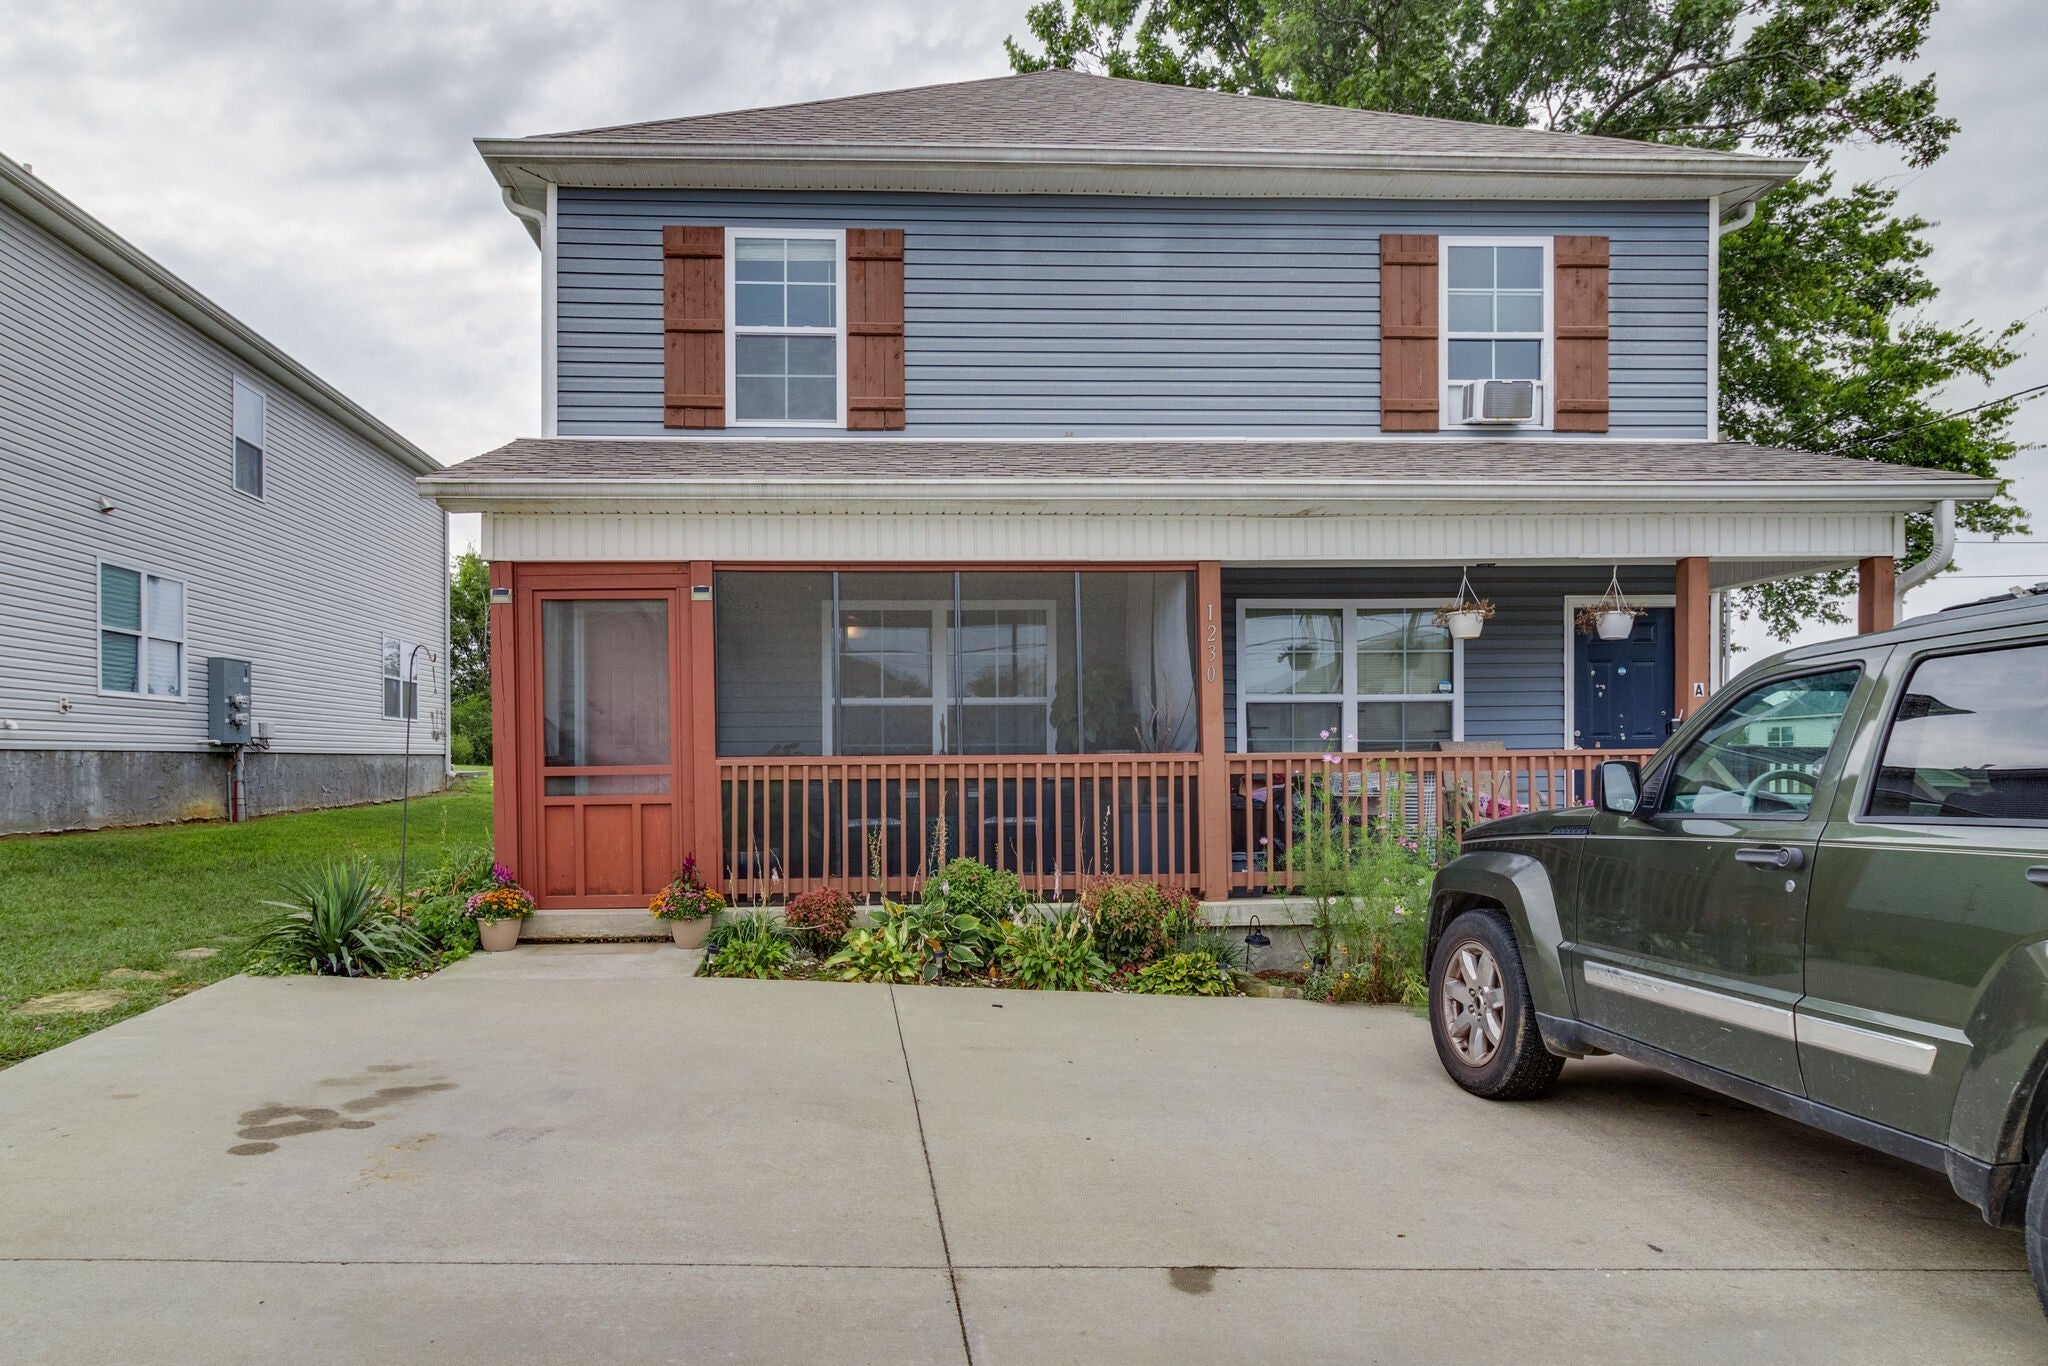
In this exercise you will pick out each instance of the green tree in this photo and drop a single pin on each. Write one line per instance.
(1826, 338)
(469, 666)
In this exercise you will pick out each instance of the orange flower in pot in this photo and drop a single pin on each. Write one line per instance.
(687, 905)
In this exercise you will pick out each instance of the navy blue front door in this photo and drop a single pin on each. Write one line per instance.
(1622, 688)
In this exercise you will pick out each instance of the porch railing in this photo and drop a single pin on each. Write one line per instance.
(1273, 796)
(874, 824)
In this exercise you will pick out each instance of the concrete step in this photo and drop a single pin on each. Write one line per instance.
(543, 926)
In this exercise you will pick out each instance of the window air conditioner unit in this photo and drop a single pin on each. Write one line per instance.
(1500, 402)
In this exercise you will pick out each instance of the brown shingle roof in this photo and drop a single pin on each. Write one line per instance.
(1171, 461)
(1073, 110)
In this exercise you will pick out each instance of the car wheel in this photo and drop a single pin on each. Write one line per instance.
(1481, 1015)
(2037, 1231)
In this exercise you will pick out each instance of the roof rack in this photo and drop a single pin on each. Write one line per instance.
(2019, 592)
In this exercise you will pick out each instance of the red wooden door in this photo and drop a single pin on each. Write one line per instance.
(605, 793)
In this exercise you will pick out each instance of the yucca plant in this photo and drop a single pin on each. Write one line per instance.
(334, 923)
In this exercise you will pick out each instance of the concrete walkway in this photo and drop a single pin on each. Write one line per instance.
(579, 1155)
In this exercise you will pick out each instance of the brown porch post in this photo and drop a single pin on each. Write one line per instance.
(706, 835)
(1215, 780)
(504, 728)
(1876, 593)
(1692, 677)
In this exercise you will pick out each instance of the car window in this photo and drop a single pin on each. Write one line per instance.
(1760, 756)
(1969, 740)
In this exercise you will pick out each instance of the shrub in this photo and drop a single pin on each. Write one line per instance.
(1136, 922)
(469, 728)
(819, 917)
(686, 898)
(441, 921)
(1183, 974)
(1051, 953)
(752, 945)
(883, 954)
(334, 924)
(988, 894)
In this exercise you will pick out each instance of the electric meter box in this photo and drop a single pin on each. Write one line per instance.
(230, 705)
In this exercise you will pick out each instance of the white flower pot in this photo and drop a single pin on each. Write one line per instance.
(1616, 625)
(1465, 625)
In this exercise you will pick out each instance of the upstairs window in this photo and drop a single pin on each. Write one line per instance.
(1496, 314)
(251, 438)
(786, 312)
(142, 633)
(401, 684)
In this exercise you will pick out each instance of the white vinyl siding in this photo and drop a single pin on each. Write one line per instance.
(108, 402)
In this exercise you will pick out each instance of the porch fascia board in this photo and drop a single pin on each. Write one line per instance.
(1250, 497)
(1810, 537)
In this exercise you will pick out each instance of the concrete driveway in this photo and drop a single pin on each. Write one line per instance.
(581, 1156)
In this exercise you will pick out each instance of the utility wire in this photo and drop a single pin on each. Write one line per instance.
(1886, 438)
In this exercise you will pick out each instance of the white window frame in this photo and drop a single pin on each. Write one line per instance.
(262, 400)
(1451, 392)
(1344, 741)
(733, 331)
(405, 649)
(942, 700)
(147, 633)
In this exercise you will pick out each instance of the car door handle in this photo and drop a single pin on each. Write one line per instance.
(1771, 856)
(2038, 876)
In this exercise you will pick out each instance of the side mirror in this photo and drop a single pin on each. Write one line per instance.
(1618, 786)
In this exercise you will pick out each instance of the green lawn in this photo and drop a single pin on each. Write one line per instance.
(74, 908)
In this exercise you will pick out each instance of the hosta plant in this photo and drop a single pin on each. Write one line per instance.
(885, 953)
(1051, 953)
(944, 940)
(334, 923)
(1183, 974)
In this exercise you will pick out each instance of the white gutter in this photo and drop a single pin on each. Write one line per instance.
(1938, 557)
(540, 225)
(534, 219)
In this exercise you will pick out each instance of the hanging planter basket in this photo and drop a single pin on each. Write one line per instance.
(1614, 616)
(1465, 616)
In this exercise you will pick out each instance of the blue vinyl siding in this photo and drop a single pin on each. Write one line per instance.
(1052, 316)
(1514, 672)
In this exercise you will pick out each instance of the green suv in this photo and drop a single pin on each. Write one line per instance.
(1826, 895)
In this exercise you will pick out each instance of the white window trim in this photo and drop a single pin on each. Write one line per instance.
(1449, 389)
(942, 700)
(405, 649)
(262, 449)
(1347, 646)
(1572, 603)
(143, 636)
(732, 332)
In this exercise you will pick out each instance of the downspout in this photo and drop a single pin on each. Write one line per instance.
(1938, 557)
(1718, 229)
(540, 225)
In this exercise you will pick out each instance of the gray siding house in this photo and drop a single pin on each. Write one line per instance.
(1074, 470)
(173, 488)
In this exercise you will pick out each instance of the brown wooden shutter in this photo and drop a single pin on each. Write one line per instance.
(693, 326)
(874, 329)
(1409, 387)
(1580, 316)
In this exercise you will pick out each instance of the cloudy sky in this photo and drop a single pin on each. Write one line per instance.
(309, 165)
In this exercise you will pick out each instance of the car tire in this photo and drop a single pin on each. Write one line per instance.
(1480, 1013)
(2037, 1231)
